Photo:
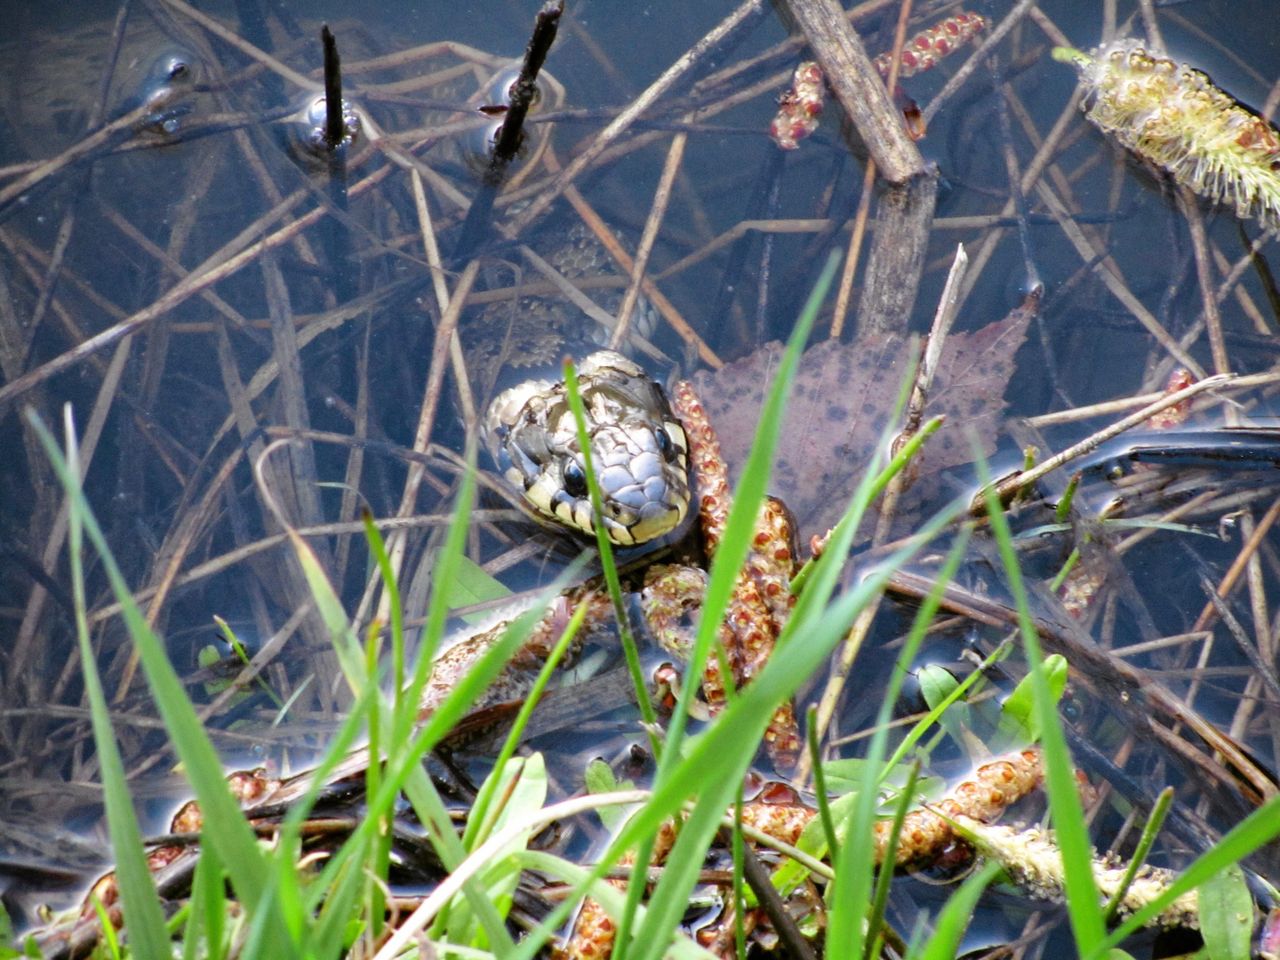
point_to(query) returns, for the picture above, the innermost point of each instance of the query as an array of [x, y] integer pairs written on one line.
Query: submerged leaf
[[843, 397], [1226, 915]]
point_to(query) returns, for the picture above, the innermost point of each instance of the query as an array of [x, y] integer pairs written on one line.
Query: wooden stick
[[857, 85]]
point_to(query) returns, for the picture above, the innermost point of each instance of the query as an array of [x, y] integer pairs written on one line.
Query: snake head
[[638, 449]]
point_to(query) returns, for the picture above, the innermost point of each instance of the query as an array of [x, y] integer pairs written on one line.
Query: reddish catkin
[[928, 47], [800, 107], [1172, 116]]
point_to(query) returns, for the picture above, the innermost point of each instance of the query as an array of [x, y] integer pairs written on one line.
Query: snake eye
[[575, 480], [665, 446]]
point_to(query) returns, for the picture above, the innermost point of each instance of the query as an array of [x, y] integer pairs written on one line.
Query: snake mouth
[[655, 523]]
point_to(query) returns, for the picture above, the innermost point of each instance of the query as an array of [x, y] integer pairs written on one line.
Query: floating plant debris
[[928, 47], [1173, 116]]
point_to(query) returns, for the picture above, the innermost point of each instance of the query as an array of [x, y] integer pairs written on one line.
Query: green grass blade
[[884, 876], [445, 574], [404, 769], [143, 915], [206, 923], [851, 891], [716, 761], [608, 565], [681, 948], [1254, 831], [473, 835], [225, 825], [747, 498], [1159, 810], [954, 917], [730, 555], [1060, 782], [395, 610]]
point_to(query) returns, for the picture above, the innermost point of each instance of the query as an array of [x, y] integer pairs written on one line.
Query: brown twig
[[741, 15], [1009, 486], [857, 85], [521, 96], [661, 197]]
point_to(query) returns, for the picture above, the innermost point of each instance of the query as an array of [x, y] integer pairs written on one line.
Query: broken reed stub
[[1172, 116]]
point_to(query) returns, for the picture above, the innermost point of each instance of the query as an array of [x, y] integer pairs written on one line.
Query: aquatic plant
[[1172, 116]]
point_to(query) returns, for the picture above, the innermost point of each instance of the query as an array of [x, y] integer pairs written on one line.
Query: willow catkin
[[1172, 116]]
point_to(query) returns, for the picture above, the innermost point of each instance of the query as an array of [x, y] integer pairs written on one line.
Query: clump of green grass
[[252, 899]]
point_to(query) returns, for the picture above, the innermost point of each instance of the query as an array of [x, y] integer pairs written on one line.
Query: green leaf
[[936, 685], [471, 586], [844, 776], [1019, 723], [1226, 915], [524, 791], [599, 778]]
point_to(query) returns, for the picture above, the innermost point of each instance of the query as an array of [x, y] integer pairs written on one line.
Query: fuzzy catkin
[[1173, 116], [1032, 860]]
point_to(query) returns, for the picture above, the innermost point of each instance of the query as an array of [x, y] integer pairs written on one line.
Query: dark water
[[96, 242]]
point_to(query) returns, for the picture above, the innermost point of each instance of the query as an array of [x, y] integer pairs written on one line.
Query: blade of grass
[[143, 915], [1159, 810], [747, 497], [821, 797], [681, 948], [716, 760], [1254, 831], [730, 555], [479, 824], [954, 917], [422, 794], [480, 808], [206, 922], [446, 573], [631, 654], [225, 825], [608, 566], [404, 768], [850, 894], [884, 876], [1060, 782], [915, 638]]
